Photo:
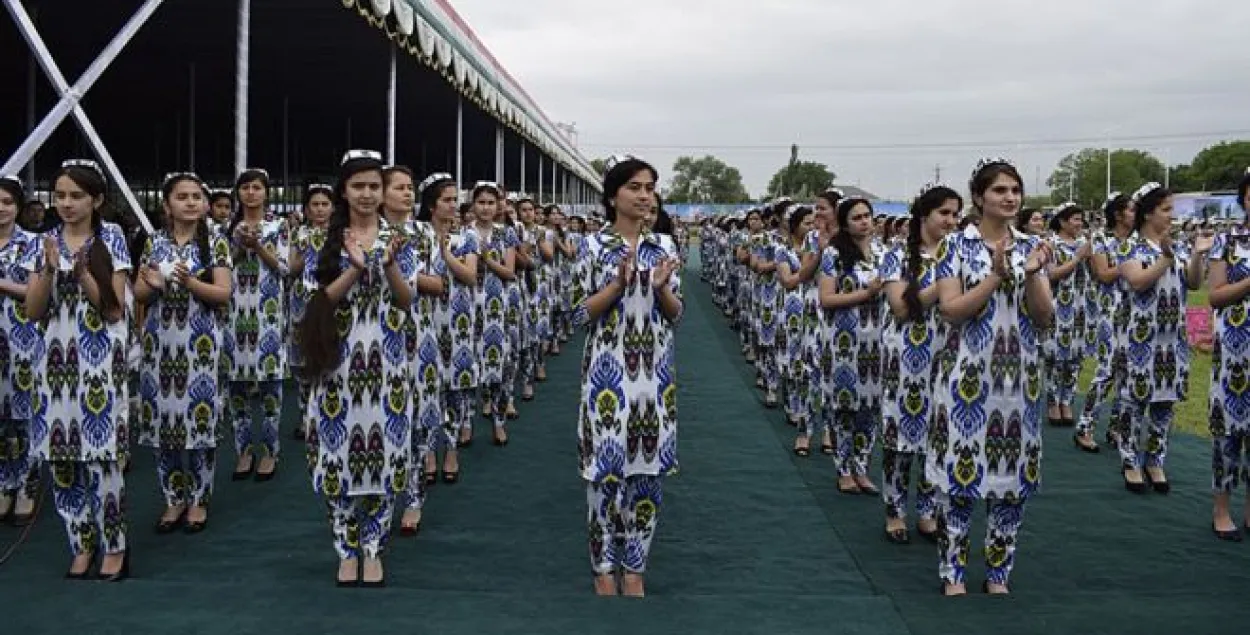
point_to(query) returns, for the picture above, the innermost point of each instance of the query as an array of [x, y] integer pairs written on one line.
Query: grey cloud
[[700, 73]]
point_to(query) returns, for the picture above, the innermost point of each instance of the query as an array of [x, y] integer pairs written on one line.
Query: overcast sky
[[744, 79]]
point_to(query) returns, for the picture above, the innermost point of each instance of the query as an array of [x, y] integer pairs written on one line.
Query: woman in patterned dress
[[354, 349], [537, 295], [766, 303], [986, 438], [77, 282], [258, 361], [1064, 344], [1104, 390], [1156, 351], [820, 413], [627, 426], [20, 340], [306, 241], [184, 279], [1230, 367], [497, 270], [795, 381], [454, 317], [850, 290], [913, 343]]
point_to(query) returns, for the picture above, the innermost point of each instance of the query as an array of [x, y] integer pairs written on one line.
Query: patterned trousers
[[1103, 391], [192, 485], [459, 407], [1153, 417], [531, 360], [1002, 526], [766, 362], [305, 394], [1228, 460], [634, 504], [361, 524], [270, 396], [416, 467], [856, 432], [896, 478], [19, 469], [1062, 380], [90, 497], [796, 388]]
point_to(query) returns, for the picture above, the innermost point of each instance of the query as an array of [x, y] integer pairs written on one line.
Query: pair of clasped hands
[[661, 273], [52, 257], [356, 249]]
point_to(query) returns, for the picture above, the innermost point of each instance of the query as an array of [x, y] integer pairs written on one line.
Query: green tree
[[1181, 178], [600, 166], [1082, 176], [1218, 167], [706, 180], [800, 179]]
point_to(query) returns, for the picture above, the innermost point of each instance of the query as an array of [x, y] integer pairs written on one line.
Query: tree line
[[1080, 176]]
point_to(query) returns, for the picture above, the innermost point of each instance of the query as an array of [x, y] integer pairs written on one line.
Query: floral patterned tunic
[[428, 375], [181, 350], [986, 440], [1230, 359], [911, 351], [455, 317], [81, 382], [766, 292], [1156, 349], [258, 309], [494, 346], [21, 340], [1066, 340], [793, 315], [359, 413], [851, 361], [628, 411]]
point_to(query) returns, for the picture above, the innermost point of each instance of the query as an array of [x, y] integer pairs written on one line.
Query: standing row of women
[[943, 341], [397, 325]]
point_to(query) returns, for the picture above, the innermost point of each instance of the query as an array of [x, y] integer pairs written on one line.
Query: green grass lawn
[[1191, 414]]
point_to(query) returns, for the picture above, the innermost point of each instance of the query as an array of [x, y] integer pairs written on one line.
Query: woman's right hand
[[153, 277], [51, 254]]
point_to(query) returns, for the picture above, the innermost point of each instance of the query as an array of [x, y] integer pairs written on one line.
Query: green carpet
[[751, 540]]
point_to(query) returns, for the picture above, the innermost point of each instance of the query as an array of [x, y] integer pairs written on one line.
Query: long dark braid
[[929, 201], [319, 332]]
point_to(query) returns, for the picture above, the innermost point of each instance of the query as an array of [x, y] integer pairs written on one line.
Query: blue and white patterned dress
[[986, 440], [911, 351], [257, 341], [23, 340], [627, 424]]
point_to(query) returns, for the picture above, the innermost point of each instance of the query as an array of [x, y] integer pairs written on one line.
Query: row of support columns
[[573, 192]]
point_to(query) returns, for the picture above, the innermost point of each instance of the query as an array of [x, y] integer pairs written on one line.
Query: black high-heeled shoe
[[1136, 488], [82, 575], [1092, 449], [451, 478], [1161, 487], [121, 574], [170, 526], [1231, 535]]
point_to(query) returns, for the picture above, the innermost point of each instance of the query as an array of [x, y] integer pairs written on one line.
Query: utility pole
[[937, 173]]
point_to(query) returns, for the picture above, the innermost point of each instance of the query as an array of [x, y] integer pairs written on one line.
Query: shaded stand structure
[[216, 86]]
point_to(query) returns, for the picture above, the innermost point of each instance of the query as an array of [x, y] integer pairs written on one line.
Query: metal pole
[[191, 135], [286, 144], [522, 164], [69, 96], [391, 98], [242, 70], [1108, 192], [499, 176], [540, 177], [459, 144], [30, 120]]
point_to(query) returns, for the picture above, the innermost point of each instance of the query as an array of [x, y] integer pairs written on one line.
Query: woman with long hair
[[21, 340], [257, 350], [184, 280], [850, 290], [795, 382], [306, 243], [913, 342], [627, 430], [77, 283], [1156, 350], [1229, 406], [825, 227], [1064, 345], [359, 434], [986, 441], [1104, 389], [537, 294]]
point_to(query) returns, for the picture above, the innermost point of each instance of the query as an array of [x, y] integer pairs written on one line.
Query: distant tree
[[705, 180], [600, 166], [800, 179], [1129, 169], [1217, 167]]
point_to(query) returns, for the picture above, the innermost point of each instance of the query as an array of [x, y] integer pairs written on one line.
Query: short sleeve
[[947, 258], [115, 240], [407, 259], [1219, 248], [278, 242], [891, 269], [33, 255], [829, 262], [469, 243]]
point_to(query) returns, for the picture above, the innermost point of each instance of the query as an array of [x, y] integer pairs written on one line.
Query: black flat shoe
[[121, 574], [804, 452], [431, 478], [195, 527], [1136, 488], [450, 478], [243, 475], [826, 449], [170, 526], [1092, 449], [262, 477], [1161, 487], [985, 588], [928, 536], [377, 584], [82, 575], [1232, 535]]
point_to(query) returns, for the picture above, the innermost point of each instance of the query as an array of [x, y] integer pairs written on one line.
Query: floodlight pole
[[499, 167], [391, 99], [242, 71], [522, 164], [540, 177], [459, 143]]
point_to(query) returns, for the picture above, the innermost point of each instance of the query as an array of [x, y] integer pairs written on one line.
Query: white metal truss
[[71, 96]]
